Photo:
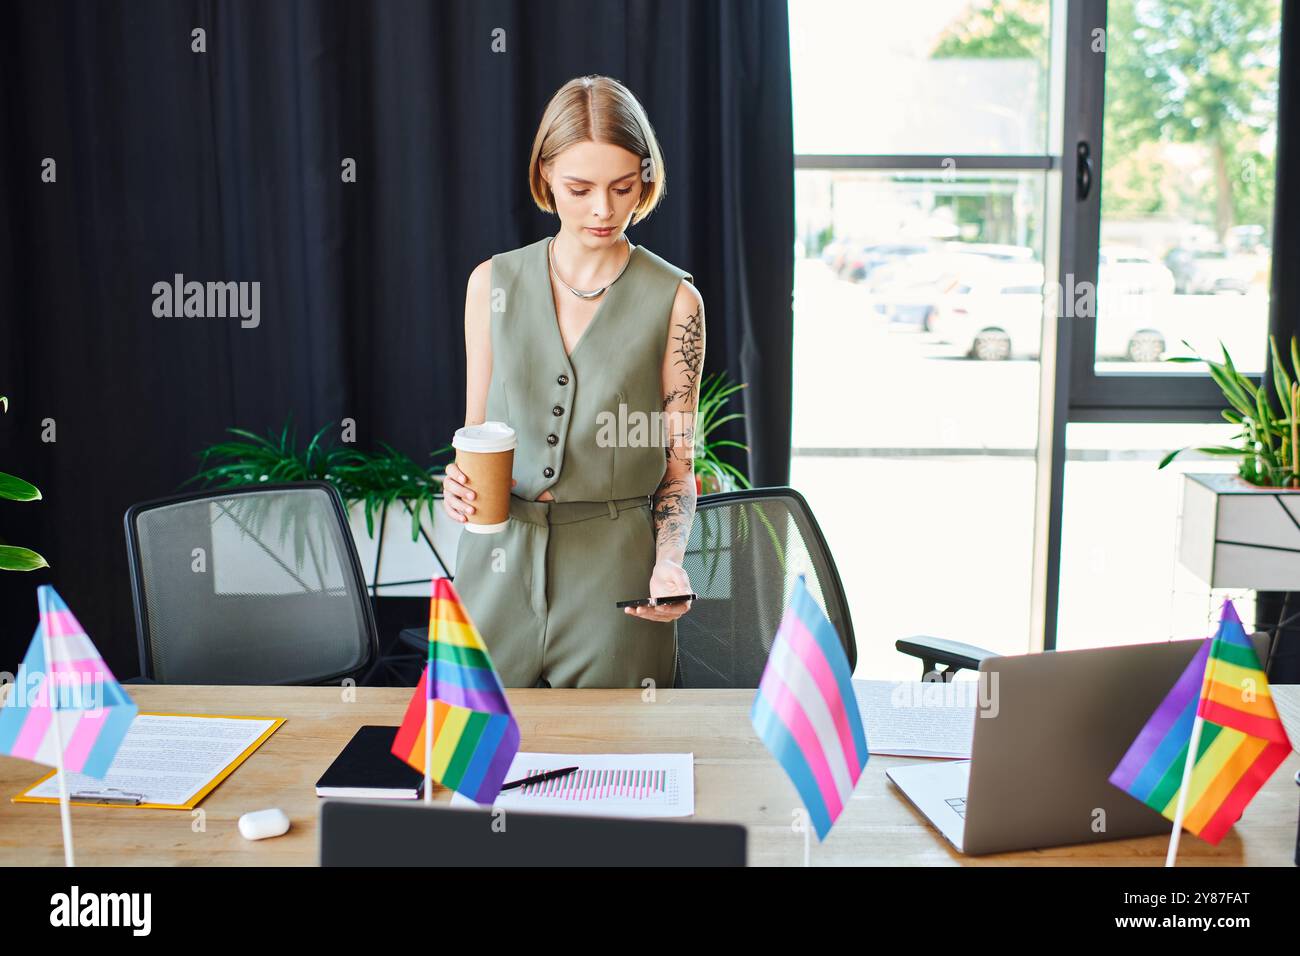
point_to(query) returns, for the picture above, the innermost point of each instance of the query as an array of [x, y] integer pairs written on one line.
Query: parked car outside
[[1000, 317]]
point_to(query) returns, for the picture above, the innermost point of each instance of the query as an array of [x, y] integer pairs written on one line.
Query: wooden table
[[735, 780]]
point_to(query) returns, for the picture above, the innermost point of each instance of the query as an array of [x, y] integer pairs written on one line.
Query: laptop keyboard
[[958, 805]]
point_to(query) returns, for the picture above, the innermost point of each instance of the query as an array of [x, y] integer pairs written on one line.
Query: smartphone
[[651, 602]]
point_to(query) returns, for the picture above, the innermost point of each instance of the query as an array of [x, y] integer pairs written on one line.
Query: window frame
[[1070, 389]]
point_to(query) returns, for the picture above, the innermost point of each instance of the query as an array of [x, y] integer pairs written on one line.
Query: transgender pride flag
[[806, 713], [63, 678]]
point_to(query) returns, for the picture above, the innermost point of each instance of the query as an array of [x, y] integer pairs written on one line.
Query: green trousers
[[542, 594]]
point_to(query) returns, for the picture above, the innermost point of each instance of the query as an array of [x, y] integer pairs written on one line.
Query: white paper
[[918, 718], [166, 759], [605, 785]]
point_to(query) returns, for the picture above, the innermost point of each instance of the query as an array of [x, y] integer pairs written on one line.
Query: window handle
[[1083, 172]]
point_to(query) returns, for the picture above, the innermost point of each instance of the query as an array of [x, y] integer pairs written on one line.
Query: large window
[[1180, 102], [1121, 581], [996, 201], [922, 223], [1189, 136], [879, 77]]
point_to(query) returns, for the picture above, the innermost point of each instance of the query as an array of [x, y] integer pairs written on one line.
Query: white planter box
[[405, 566], [1236, 535]]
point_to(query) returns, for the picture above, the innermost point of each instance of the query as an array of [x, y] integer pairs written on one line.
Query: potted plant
[[408, 539], [401, 535], [1243, 530], [401, 539], [12, 557], [712, 474]]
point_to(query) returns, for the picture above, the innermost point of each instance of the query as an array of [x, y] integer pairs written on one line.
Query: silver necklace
[[594, 293]]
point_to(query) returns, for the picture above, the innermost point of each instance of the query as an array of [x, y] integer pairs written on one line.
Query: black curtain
[[225, 165], [1273, 607]]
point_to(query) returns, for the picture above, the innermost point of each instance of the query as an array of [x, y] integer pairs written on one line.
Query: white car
[[995, 316], [1001, 317], [909, 292], [1217, 273], [1128, 270]]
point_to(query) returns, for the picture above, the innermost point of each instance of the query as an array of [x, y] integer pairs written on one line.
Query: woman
[[591, 349]]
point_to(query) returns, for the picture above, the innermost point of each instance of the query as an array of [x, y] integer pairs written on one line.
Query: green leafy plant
[[12, 557], [389, 476], [375, 479], [1269, 440], [711, 472]]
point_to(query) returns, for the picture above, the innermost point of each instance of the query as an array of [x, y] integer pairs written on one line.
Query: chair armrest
[[936, 651]]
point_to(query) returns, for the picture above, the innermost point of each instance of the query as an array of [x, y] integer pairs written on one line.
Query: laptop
[[1056, 726], [382, 833]]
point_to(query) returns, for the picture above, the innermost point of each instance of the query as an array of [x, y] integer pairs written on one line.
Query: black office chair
[[725, 639], [745, 550], [940, 657], [251, 586]]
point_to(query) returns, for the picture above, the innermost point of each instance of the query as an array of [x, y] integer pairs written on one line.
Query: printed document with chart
[[604, 785]]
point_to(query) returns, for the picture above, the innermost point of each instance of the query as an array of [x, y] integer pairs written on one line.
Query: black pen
[[538, 778]]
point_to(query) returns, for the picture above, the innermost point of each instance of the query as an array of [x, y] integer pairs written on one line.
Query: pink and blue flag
[[806, 713], [63, 678]]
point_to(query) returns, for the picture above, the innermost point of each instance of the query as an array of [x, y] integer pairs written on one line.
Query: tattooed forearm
[[674, 507], [682, 397], [680, 445], [674, 499], [689, 355]]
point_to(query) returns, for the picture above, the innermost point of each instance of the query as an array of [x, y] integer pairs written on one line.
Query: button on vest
[[580, 445]]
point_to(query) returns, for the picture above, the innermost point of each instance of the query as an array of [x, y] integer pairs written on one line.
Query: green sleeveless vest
[[585, 422]]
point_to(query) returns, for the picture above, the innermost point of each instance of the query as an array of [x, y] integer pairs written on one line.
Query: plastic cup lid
[[487, 437]]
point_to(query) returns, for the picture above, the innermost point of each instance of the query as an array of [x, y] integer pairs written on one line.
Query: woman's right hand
[[457, 496]]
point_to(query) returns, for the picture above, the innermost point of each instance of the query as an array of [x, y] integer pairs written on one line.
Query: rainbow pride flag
[[1242, 738], [63, 678], [475, 736], [806, 713]]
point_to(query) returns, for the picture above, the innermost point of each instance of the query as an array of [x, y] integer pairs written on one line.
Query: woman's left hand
[[669, 578]]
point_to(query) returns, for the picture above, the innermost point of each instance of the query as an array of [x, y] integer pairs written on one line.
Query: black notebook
[[367, 768]]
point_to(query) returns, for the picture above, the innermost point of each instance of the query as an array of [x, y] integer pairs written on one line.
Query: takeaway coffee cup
[[486, 453]]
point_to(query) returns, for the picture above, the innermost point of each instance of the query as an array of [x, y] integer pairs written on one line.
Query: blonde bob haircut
[[600, 110]]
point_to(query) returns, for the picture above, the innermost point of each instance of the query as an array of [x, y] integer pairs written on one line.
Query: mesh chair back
[[248, 587], [745, 552]]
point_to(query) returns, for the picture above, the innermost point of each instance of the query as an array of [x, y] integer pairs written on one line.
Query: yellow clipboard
[[194, 800]]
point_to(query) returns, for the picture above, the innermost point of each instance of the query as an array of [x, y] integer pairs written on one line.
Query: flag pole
[[428, 709], [428, 750], [428, 728], [807, 845], [65, 815], [1193, 746]]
